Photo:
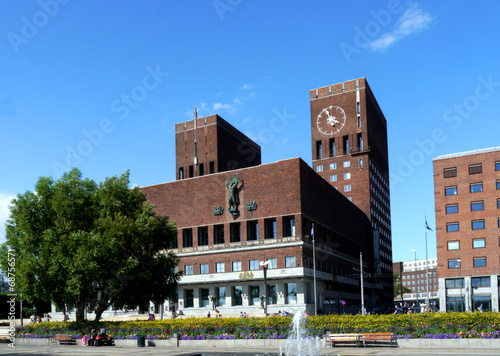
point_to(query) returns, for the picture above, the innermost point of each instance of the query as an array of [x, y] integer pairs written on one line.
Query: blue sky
[[100, 85]]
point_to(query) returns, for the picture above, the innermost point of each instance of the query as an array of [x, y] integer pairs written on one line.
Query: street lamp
[[459, 261], [416, 275], [264, 265]]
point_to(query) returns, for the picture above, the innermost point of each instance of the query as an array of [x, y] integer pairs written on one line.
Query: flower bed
[[425, 326]]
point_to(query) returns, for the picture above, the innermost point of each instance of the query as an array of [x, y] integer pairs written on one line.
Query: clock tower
[[349, 150]]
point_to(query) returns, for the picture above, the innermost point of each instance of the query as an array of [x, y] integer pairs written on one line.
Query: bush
[[432, 325]]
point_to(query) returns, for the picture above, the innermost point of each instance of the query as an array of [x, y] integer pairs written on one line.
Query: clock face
[[331, 120]]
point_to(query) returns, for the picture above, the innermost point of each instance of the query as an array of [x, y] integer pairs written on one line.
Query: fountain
[[299, 343]]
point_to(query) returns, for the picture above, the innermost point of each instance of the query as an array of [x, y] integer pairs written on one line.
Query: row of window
[[412, 283], [473, 169], [476, 243], [474, 206], [453, 283], [270, 231], [237, 295], [345, 145], [475, 225], [333, 178], [236, 266], [420, 275], [201, 170], [347, 164], [473, 188], [476, 262]]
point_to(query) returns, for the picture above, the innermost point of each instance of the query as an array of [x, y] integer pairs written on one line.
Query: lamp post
[[264, 265], [461, 285], [416, 275]]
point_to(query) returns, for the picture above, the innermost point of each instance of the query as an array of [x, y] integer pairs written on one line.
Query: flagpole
[[314, 267], [427, 262]]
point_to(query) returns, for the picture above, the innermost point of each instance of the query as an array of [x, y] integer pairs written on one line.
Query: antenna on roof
[[195, 114]]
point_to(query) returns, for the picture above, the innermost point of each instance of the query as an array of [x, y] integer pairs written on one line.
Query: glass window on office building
[[272, 263], [452, 209], [220, 295], [254, 295], [237, 295], [455, 263], [204, 268], [450, 190], [236, 266], [478, 243], [188, 270], [479, 262], [220, 267], [189, 296], [476, 187], [204, 293], [253, 265], [272, 293], [290, 262], [453, 245], [291, 293]]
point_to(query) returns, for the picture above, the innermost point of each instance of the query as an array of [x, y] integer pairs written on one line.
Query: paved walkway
[[347, 351]]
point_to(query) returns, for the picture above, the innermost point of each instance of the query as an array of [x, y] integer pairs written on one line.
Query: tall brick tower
[[210, 145], [349, 148]]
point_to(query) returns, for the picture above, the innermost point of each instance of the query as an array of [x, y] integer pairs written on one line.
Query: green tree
[[399, 288], [82, 244]]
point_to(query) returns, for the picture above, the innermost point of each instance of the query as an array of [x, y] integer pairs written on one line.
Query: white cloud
[[4, 213], [220, 106], [412, 21], [248, 86]]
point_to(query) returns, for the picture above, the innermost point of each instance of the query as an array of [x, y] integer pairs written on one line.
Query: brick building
[[233, 213], [467, 199], [350, 150], [414, 276]]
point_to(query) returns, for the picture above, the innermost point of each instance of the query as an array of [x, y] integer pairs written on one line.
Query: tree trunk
[[101, 307], [80, 312]]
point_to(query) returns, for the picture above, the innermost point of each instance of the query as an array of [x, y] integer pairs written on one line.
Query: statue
[[234, 199]]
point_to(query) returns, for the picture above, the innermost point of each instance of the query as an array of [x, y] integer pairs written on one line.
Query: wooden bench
[[332, 339], [63, 339], [367, 338]]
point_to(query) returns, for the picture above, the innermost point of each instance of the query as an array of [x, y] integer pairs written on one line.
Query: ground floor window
[[189, 302], [272, 293], [221, 295], [205, 302], [254, 295], [237, 295], [455, 304], [291, 293], [481, 300]]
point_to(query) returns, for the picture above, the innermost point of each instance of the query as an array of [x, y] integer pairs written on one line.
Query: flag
[[426, 225], [312, 231]]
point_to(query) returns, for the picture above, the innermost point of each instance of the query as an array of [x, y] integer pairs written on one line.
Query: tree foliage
[[82, 244], [399, 288]]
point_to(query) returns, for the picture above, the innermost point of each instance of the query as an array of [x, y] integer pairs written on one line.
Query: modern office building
[[414, 276], [350, 151], [467, 199]]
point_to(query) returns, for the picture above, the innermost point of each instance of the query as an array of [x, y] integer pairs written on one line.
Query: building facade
[[414, 276], [467, 199], [280, 235], [350, 151]]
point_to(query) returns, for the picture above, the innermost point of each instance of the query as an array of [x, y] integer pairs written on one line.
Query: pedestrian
[[208, 314], [245, 315], [480, 308], [84, 340], [241, 314]]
